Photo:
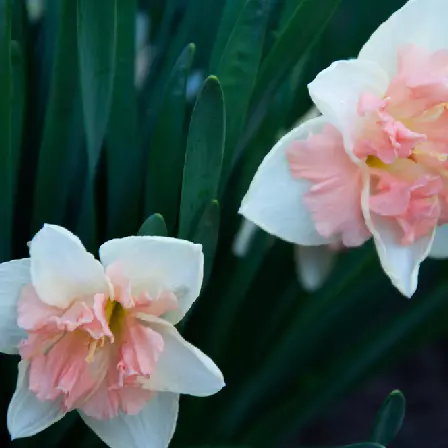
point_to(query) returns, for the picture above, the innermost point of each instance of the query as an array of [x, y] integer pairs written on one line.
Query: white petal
[[274, 201], [61, 269], [26, 414], [313, 265], [152, 263], [439, 248], [243, 238], [418, 22], [13, 276], [152, 427], [336, 91], [401, 263], [181, 367]]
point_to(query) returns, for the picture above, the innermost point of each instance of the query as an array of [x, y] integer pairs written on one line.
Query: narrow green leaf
[[389, 419], [349, 367], [299, 34], [164, 174], [229, 16], [238, 69], [206, 233], [6, 159], [52, 189], [122, 142], [97, 23], [364, 445], [19, 34], [18, 105], [153, 226], [203, 156]]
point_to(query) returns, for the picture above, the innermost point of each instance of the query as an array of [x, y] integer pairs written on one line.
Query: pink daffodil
[[376, 163], [99, 337]]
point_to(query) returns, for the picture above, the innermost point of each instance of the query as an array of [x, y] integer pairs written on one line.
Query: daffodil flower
[[99, 337], [376, 163]]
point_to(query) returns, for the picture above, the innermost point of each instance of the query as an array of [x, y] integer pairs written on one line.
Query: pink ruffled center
[[93, 355], [403, 139]]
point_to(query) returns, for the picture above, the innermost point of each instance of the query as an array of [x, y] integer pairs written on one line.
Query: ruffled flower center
[[402, 138], [96, 354]]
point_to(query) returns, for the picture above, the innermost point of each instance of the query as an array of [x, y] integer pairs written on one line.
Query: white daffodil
[[99, 337], [375, 164]]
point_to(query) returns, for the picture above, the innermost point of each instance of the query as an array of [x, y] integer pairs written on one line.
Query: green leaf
[[52, 189], [97, 23], [364, 445], [122, 142], [238, 69], [164, 174], [355, 445], [350, 366], [6, 159], [203, 157], [19, 34], [299, 34], [389, 419], [18, 105], [153, 226], [229, 17], [207, 233]]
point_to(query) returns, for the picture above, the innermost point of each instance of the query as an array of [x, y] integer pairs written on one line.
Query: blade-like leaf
[[238, 69], [364, 445], [97, 23], [389, 419], [356, 361], [203, 156], [122, 142], [299, 34], [164, 173], [6, 159], [19, 34], [18, 105], [153, 226], [206, 233], [229, 16], [52, 189]]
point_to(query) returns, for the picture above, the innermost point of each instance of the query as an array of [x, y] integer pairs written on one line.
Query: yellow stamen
[[92, 348], [435, 155]]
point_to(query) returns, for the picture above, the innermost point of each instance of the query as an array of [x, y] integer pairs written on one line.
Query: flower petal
[[181, 367], [154, 264], [26, 414], [61, 269], [337, 89], [419, 22], [274, 201], [243, 238], [400, 262], [14, 275], [313, 265], [439, 248], [152, 427]]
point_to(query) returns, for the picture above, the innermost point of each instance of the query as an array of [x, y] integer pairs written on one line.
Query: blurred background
[[303, 368]]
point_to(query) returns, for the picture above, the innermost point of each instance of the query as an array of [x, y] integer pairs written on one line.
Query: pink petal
[[335, 197]]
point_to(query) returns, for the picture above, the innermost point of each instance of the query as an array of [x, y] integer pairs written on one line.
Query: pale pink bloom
[[376, 162], [99, 337]]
